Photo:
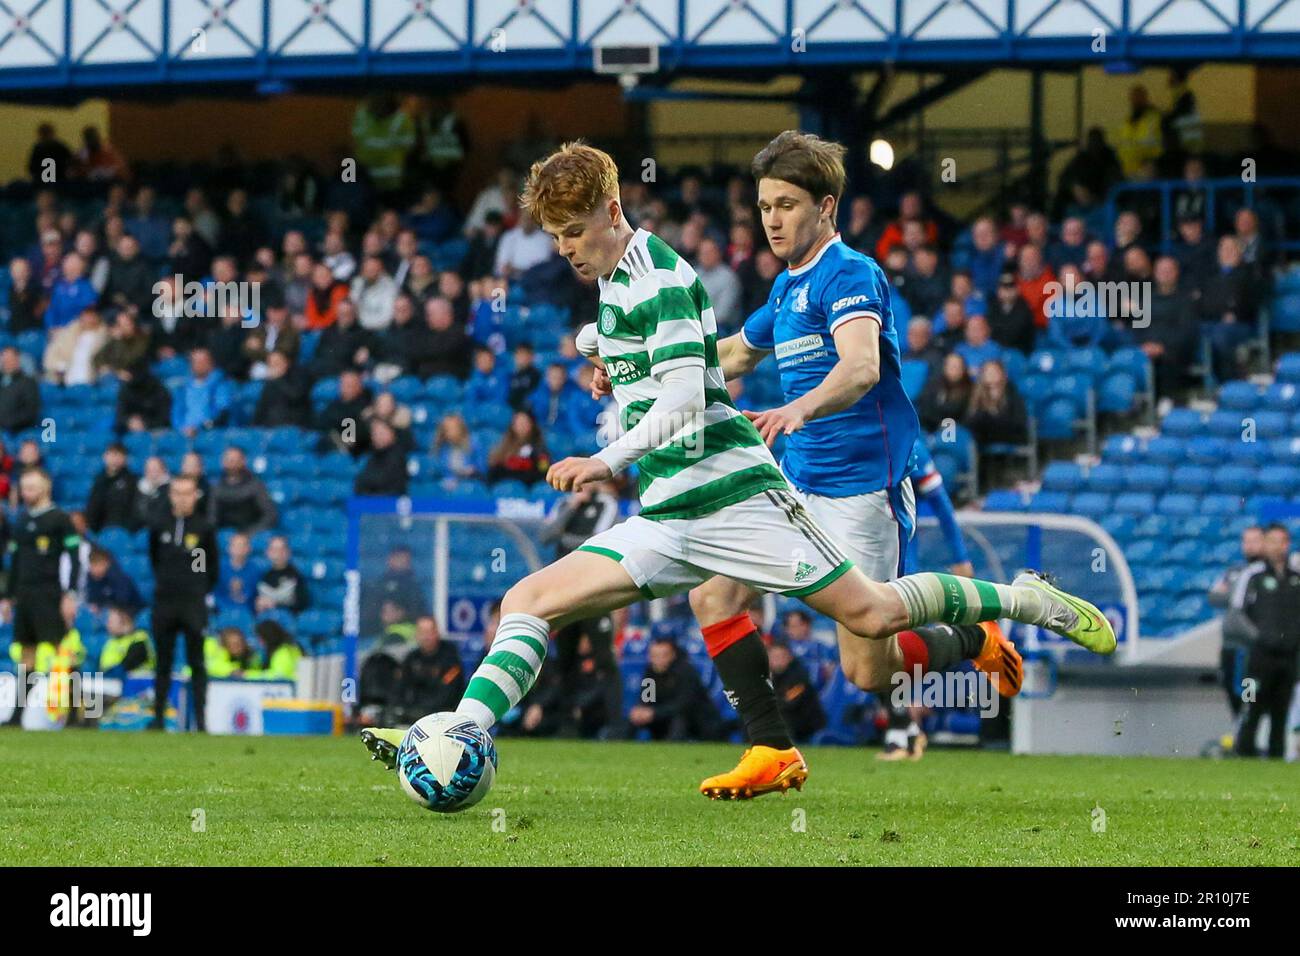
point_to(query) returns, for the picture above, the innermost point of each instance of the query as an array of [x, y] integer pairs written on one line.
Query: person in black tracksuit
[[1268, 594], [38, 539], [186, 566], [1236, 628]]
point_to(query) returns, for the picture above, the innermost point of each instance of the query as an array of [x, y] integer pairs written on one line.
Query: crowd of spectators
[[364, 285]]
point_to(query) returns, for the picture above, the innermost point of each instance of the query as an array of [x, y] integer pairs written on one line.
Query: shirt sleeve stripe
[[750, 345], [856, 315]]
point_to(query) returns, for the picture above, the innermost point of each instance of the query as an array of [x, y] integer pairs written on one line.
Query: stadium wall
[[20, 122]]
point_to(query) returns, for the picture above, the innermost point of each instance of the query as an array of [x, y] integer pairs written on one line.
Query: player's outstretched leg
[[579, 585], [878, 611]]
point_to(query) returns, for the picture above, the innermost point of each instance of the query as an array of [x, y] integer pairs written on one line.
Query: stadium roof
[[84, 47]]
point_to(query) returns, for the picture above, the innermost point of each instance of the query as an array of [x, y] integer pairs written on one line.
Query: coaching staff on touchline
[[1268, 595], [186, 562]]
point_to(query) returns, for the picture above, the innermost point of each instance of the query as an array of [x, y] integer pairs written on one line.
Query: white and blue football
[[446, 762]]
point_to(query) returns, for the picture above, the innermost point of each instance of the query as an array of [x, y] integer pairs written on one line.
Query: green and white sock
[[509, 670], [952, 599]]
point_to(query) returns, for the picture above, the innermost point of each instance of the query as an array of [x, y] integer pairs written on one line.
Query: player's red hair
[[569, 183]]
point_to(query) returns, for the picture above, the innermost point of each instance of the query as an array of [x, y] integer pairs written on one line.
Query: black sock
[[949, 643], [748, 681]]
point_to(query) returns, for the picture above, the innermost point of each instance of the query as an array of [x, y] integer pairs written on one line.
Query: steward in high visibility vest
[[129, 648], [282, 653], [1140, 139], [383, 135], [230, 655]]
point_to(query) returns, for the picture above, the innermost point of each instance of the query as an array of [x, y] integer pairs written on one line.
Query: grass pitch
[[85, 798]]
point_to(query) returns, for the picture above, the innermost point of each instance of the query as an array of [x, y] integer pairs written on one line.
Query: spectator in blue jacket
[[555, 403], [72, 293], [984, 259], [237, 586], [152, 230], [1074, 320], [107, 585], [977, 346], [460, 454], [488, 384], [203, 400]]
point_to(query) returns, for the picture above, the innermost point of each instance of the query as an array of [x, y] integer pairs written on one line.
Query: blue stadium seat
[[324, 392], [1048, 361], [1122, 449], [1229, 424], [1034, 388], [1091, 504], [1285, 313], [1269, 424], [1134, 502], [1234, 480], [1251, 454], [1117, 392], [443, 389], [1004, 499], [1281, 480], [1288, 368], [1119, 527], [1142, 550], [1088, 361], [1131, 360], [1240, 397], [1050, 502], [1217, 504], [1056, 418], [1177, 503], [1282, 397], [406, 389], [1150, 478], [1191, 479], [288, 440], [1152, 526], [1104, 477], [1206, 451], [1196, 526], [1183, 423], [1062, 476], [1015, 364]]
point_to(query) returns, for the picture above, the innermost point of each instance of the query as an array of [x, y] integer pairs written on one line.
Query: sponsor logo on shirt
[[623, 371], [796, 346], [848, 302]]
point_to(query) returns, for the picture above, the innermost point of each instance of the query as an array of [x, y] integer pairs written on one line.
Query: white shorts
[[769, 542], [872, 529]]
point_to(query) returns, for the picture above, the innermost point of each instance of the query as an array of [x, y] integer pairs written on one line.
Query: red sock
[[718, 637], [914, 652]]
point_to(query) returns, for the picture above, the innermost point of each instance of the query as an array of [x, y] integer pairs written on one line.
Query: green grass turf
[[95, 798]]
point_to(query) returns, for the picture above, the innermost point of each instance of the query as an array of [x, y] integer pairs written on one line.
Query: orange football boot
[[999, 658], [761, 770]]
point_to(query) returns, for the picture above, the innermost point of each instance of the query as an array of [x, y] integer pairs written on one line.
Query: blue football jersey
[[867, 446]]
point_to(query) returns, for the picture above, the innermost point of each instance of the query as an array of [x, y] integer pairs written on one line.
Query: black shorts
[[37, 619]]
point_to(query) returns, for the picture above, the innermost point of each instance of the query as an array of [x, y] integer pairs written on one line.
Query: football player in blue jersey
[[851, 432]]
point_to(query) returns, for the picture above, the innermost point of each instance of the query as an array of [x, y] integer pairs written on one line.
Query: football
[[446, 762]]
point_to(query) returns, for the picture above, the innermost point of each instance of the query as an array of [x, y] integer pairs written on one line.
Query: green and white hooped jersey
[[654, 317]]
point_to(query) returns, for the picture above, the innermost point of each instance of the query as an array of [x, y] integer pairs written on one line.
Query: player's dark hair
[[810, 162], [1277, 526]]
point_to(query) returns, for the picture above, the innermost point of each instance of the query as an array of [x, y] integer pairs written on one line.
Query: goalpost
[[467, 552]]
